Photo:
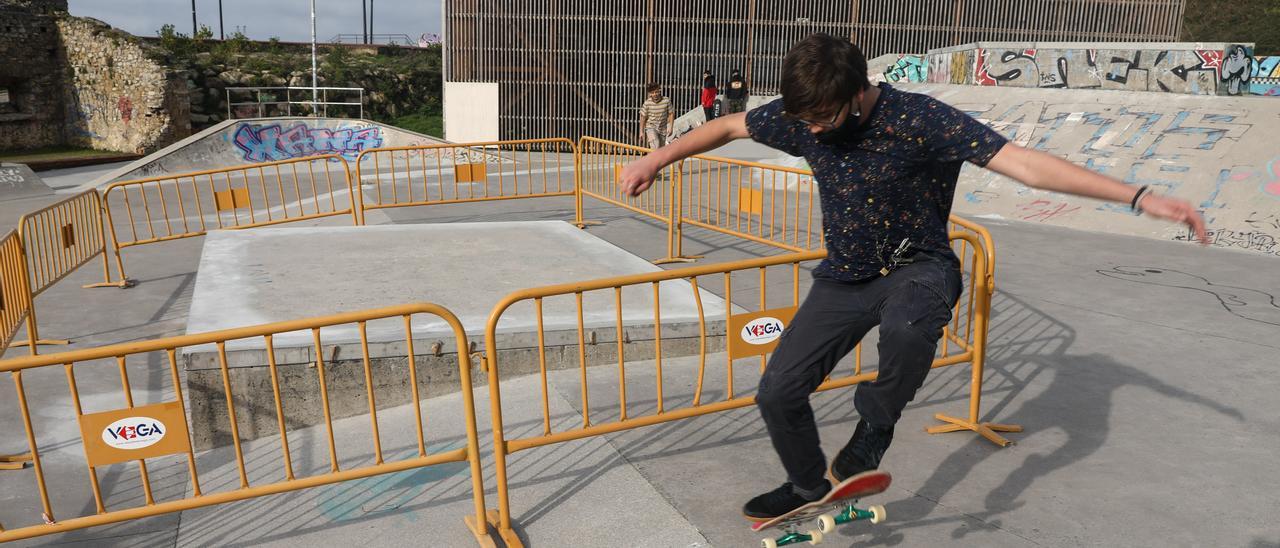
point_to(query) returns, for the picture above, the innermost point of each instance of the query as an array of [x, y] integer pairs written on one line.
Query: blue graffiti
[[272, 143]]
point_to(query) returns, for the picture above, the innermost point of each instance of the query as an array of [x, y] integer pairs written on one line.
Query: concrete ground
[[1138, 368]]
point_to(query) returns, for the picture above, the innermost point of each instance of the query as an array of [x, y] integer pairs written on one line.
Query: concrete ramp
[[254, 140], [17, 181], [1217, 152]]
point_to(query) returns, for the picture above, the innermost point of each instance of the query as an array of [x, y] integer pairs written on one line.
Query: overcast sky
[[261, 19]]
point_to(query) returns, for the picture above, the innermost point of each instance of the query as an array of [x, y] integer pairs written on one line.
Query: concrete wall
[[76, 81], [471, 111], [31, 75], [1183, 68]]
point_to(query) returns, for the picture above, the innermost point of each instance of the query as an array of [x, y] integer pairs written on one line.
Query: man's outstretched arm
[[639, 175], [1048, 172]]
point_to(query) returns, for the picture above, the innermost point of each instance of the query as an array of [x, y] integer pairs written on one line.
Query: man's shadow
[[1077, 403]]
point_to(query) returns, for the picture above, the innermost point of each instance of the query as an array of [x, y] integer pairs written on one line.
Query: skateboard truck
[[826, 523]]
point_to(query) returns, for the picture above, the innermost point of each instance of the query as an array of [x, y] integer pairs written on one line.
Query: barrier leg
[[14, 462]]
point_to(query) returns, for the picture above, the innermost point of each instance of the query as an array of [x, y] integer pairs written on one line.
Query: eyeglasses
[[824, 125]]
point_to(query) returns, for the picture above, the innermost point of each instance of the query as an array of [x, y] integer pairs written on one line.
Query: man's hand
[[1178, 211], [638, 176]]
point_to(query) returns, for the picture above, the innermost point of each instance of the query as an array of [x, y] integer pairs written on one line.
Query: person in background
[[657, 118], [737, 93], [709, 93]]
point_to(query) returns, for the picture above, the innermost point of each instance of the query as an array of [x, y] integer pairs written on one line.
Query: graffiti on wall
[[908, 68], [1264, 76], [1195, 72], [1199, 72], [950, 68], [269, 143]]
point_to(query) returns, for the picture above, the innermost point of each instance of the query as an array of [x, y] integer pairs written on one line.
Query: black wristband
[[1137, 197]]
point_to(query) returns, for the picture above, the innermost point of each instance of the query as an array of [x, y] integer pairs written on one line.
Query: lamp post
[[221, 35], [193, 19], [314, 94]]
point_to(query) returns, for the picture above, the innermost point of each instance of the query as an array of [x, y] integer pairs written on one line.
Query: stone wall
[[120, 95], [30, 75], [76, 81], [1184, 68]]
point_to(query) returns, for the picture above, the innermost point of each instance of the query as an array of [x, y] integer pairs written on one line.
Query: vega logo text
[[133, 433], [762, 330]]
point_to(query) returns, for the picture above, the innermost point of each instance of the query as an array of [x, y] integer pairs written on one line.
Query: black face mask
[[846, 131]]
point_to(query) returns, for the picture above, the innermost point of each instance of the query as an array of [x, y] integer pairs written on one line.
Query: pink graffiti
[[125, 106], [1044, 210], [1273, 187], [273, 143]]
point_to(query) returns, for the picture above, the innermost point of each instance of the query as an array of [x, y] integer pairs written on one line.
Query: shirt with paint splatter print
[[891, 179]]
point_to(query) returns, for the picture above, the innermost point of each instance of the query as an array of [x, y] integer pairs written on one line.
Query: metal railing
[[56, 240], [467, 172], [157, 209], [313, 98], [172, 415]]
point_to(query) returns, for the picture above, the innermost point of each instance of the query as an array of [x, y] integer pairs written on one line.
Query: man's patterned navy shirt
[[890, 179]]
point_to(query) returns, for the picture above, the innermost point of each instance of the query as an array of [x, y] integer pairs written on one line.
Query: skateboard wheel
[[878, 514], [826, 523], [815, 537], [769, 543]]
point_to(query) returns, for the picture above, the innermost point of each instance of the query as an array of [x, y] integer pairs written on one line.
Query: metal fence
[[280, 101], [579, 68], [162, 428]]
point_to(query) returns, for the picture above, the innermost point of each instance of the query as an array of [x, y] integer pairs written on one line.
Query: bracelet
[[1137, 198]]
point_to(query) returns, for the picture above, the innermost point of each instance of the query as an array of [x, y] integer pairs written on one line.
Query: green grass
[[426, 124], [51, 153]]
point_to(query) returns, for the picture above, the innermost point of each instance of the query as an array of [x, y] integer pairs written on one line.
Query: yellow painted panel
[[132, 434], [757, 333]]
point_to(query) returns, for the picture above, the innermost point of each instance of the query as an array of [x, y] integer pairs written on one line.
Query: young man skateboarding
[[887, 162]]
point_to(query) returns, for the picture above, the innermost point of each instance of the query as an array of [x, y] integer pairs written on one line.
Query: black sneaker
[[778, 501], [862, 453]]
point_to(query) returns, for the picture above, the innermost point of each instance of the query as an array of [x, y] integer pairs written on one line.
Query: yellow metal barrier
[[157, 430], [15, 308], [971, 350], [767, 204], [465, 172], [58, 239], [599, 165], [187, 205]]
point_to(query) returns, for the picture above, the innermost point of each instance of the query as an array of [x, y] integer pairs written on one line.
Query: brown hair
[[652, 87], [821, 72]]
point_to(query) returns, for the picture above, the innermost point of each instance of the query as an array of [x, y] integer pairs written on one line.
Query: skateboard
[[835, 508]]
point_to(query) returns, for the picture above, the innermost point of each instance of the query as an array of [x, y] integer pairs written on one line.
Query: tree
[[1255, 21]]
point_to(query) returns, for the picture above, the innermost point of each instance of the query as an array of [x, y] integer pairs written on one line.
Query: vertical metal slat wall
[[567, 68]]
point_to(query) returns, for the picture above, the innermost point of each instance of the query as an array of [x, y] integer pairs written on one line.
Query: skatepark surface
[[1141, 368]]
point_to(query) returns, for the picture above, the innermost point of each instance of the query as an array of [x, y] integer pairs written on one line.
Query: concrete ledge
[[252, 391]]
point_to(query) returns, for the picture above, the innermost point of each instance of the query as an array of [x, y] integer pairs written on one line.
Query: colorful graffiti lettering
[[1264, 76], [908, 68], [273, 143], [1196, 72]]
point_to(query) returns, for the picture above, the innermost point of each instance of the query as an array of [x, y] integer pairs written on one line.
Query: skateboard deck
[[835, 508]]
